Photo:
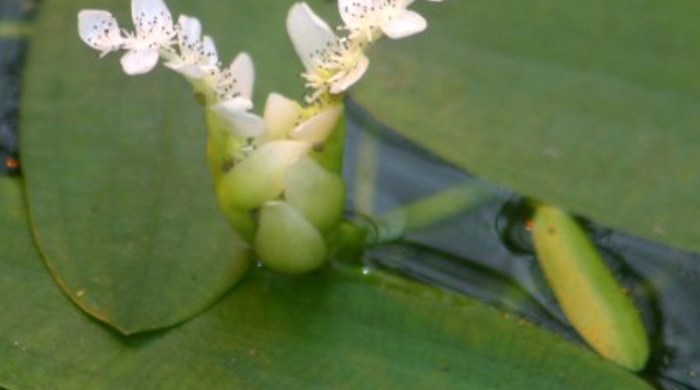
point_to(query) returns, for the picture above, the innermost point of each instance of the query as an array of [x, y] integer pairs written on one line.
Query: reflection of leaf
[[588, 105], [331, 329]]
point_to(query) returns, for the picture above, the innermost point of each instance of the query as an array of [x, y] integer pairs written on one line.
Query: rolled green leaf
[[318, 194], [286, 241], [593, 301]]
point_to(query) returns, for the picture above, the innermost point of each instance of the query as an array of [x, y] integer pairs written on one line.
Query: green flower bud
[[260, 176], [318, 194], [286, 241]]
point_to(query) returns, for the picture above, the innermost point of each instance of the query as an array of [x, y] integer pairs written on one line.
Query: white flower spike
[[277, 177], [332, 64]]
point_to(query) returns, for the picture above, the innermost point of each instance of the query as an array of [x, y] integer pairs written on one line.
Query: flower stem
[[433, 209]]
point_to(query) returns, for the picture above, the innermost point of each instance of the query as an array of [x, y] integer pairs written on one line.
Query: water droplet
[[513, 224]]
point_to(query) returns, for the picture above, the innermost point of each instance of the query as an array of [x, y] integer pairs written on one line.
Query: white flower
[[154, 33], [234, 89], [332, 64], [370, 19], [197, 56]]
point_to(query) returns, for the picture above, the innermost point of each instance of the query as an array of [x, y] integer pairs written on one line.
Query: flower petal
[[152, 19], [190, 32], [317, 128], [237, 80], [139, 61], [309, 34], [281, 115], [99, 30], [351, 77], [352, 12], [243, 73], [209, 49], [190, 71], [241, 122], [407, 24]]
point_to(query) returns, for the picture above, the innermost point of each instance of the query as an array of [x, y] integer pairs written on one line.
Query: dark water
[[485, 252], [12, 55]]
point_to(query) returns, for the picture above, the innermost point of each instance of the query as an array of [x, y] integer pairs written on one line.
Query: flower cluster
[[277, 176], [182, 48]]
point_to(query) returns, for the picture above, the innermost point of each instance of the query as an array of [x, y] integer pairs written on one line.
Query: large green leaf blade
[[588, 105], [336, 328], [118, 186]]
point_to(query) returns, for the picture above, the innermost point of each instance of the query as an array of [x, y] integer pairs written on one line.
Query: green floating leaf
[[331, 329], [585, 288], [592, 106], [122, 203]]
